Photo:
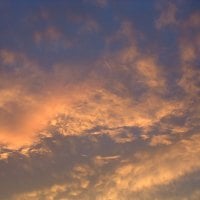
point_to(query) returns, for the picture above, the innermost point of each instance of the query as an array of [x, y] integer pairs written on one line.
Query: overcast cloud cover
[[100, 100]]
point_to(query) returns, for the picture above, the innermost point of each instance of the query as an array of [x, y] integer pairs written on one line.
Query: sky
[[99, 100]]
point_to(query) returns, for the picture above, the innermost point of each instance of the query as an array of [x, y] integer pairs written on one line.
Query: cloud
[[104, 172], [189, 43], [30, 97], [160, 139], [52, 37], [138, 176], [53, 96], [167, 16], [93, 107]]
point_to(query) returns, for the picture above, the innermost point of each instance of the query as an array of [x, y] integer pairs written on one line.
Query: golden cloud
[[162, 167]]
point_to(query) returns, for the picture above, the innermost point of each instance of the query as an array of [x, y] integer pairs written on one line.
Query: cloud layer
[[99, 102]]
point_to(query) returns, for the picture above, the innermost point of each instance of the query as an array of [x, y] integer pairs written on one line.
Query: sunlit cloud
[[100, 100]]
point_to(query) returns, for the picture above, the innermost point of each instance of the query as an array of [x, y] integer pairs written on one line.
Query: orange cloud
[[142, 171], [171, 163], [39, 97], [160, 139], [33, 99]]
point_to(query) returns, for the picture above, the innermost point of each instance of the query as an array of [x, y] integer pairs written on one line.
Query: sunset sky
[[99, 100]]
